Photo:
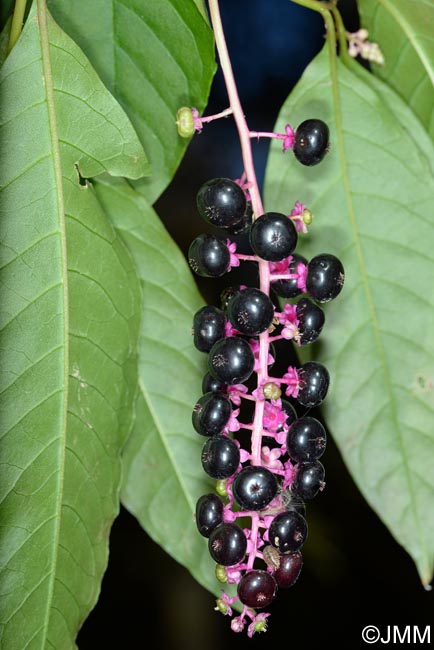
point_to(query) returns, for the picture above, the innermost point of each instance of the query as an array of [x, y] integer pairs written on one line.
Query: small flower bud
[[237, 624]]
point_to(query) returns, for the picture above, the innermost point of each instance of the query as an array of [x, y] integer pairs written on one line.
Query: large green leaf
[[69, 325], [163, 475], [405, 31], [154, 56], [373, 198]]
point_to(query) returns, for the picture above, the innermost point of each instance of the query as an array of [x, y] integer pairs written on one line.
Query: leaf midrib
[[367, 289], [42, 19]]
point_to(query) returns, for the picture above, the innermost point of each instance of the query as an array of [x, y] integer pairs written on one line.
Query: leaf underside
[[163, 475], [373, 199], [404, 30], [154, 57], [69, 324]]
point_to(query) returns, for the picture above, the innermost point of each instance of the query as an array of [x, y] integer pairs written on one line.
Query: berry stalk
[[256, 200]]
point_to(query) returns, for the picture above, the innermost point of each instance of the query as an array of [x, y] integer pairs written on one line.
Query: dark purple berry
[[273, 236], [254, 487], [311, 142], [211, 414], [311, 320], [289, 288], [231, 360], [208, 327], [250, 311], [309, 480], [220, 457], [257, 589], [221, 202], [209, 513], [227, 544], [226, 295], [325, 277], [314, 382], [289, 569], [212, 385], [288, 531], [209, 256], [244, 223], [306, 440]]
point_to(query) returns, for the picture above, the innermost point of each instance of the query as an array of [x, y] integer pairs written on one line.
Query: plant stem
[[17, 23], [258, 210], [217, 116], [267, 134]]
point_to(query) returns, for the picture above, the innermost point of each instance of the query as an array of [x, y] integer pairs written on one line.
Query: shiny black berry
[[311, 320], [314, 382], [306, 440], [273, 236], [257, 589], [309, 480], [325, 277], [289, 288], [231, 360], [209, 256], [289, 569], [254, 487], [288, 531], [250, 311], [227, 544], [212, 385], [211, 414], [244, 223], [221, 202], [220, 457], [311, 142], [208, 327], [209, 513], [226, 295]]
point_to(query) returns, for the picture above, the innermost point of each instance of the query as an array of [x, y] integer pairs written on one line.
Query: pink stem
[[266, 134], [284, 276], [258, 210], [248, 258], [217, 116]]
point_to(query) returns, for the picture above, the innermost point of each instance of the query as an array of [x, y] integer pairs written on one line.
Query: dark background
[[355, 574]]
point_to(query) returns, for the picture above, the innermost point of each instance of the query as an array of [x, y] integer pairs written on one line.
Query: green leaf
[[372, 198], [404, 30], [154, 57], [69, 325], [163, 475]]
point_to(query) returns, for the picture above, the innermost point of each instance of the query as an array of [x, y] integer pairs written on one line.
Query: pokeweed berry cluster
[[269, 478]]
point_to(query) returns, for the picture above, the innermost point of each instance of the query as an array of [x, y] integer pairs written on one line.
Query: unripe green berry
[[220, 573], [220, 488], [271, 390], [221, 606], [184, 122], [307, 217]]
